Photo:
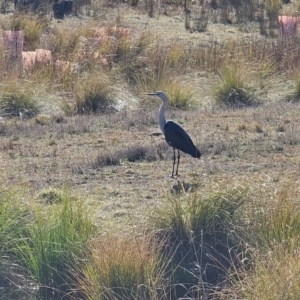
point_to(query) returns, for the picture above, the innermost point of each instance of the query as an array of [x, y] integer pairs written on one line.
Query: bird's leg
[[174, 160], [178, 158]]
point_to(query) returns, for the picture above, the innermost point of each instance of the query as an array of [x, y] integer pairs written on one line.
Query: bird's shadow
[[183, 187]]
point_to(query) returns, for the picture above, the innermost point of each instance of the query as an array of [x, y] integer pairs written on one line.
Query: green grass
[[16, 100], [232, 91], [200, 239], [32, 25], [55, 244], [279, 223], [12, 216], [295, 96], [93, 95]]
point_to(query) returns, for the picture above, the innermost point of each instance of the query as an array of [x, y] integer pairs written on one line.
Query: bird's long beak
[[151, 94]]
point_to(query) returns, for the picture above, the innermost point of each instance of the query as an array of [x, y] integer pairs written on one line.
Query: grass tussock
[[233, 91], [55, 244], [274, 277], [93, 95], [279, 222], [199, 244], [295, 96], [124, 267], [16, 100], [12, 216], [200, 239], [32, 25]]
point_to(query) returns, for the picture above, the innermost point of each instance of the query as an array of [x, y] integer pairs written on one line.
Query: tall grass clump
[[179, 95], [272, 233], [232, 91], [277, 223], [295, 96], [17, 100], [93, 95], [14, 216], [131, 55], [163, 65], [200, 239], [33, 26], [274, 276], [55, 245], [124, 267]]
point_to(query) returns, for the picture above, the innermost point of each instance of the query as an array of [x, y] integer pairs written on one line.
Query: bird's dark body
[[177, 137]]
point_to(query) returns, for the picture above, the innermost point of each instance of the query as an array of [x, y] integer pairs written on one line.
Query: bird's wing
[[177, 137]]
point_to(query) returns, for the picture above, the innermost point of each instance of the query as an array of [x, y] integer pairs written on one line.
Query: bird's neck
[[161, 116]]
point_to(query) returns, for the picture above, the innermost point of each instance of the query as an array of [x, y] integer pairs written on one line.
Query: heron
[[174, 134]]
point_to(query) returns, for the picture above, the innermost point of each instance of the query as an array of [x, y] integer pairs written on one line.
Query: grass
[[93, 95], [295, 96], [125, 268], [233, 91], [17, 101], [275, 277], [51, 252], [133, 153], [32, 25], [200, 239], [226, 229]]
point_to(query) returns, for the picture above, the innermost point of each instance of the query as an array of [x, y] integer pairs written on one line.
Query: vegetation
[[17, 101], [232, 91], [86, 208]]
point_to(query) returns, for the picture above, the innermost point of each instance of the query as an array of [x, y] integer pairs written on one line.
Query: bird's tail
[[196, 153]]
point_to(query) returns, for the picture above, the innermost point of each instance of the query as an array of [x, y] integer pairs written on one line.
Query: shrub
[[138, 153], [107, 159]]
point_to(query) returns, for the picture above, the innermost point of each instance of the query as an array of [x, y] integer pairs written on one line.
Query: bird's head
[[161, 95]]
